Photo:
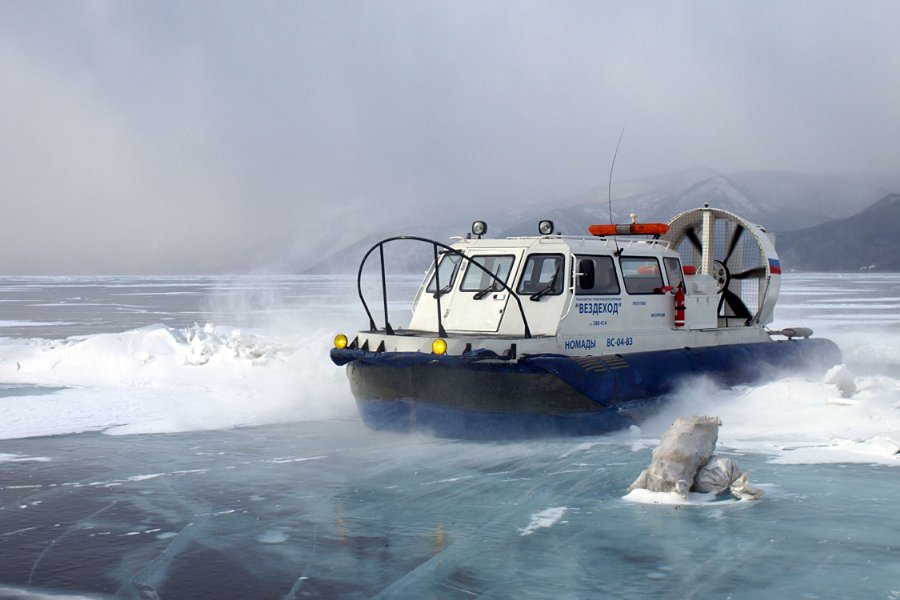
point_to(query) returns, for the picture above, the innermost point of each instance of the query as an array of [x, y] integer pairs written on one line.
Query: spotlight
[[479, 228], [545, 227]]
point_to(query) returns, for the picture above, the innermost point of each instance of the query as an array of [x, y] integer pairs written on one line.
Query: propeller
[[738, 260], [730, 299], [755, 267], [695, 241]]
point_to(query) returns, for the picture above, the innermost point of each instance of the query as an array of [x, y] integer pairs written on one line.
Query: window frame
[[560, 275], [579, 291], [659, 282], [679, 270]]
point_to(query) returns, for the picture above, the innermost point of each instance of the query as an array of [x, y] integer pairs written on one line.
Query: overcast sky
[[193, 137]]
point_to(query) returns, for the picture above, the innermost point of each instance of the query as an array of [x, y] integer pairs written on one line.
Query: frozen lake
[[188, 437]]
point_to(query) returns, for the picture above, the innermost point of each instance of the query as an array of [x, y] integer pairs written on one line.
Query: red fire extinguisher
[[679, 306]]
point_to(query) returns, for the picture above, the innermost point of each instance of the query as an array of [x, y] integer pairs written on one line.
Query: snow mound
[[160, 380]]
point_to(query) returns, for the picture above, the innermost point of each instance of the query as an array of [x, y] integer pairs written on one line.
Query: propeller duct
[[739, 255]]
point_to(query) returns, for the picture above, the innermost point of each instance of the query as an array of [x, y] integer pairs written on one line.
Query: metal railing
[[437, 280]]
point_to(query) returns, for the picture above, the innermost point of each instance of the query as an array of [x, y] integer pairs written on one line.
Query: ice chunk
[[684, 448], [684, 462], [544, 518], [742, 490], [22, 458], [275, 536]]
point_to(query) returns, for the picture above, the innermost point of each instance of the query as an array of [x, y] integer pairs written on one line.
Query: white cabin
[[597, 295]]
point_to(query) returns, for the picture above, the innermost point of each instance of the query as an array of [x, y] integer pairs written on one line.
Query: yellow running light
[[439, 346], [340, 341]]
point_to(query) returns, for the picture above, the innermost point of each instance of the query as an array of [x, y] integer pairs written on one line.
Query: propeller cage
[[737, 254]]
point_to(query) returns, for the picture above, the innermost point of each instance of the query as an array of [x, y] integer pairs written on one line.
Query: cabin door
[[479, 302]]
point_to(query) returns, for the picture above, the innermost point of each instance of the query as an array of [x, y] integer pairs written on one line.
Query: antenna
[[609, 190]]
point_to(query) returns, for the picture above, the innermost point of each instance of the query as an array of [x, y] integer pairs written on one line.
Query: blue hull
[[476, 397]]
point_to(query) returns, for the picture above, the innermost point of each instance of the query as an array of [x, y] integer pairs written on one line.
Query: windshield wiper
[[491, 287], [542, 292], [443, 290], [482, 293], [535, 297]]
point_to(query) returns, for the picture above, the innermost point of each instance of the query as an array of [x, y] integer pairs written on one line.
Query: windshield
[[476, 280], [449, 266]]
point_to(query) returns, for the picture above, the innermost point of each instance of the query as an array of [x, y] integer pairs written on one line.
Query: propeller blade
[[736, 305], [734, 241], [755, 273], [695, 241]]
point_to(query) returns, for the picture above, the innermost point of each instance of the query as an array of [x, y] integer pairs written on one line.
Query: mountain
[[869, 240], [813, 195], [779, 201]]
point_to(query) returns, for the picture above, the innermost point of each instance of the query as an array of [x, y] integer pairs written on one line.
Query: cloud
[[187, 137]]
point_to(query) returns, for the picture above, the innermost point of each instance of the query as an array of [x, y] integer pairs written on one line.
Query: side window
[[641, 275], [596, 275], [476, 280], [449, 265], [673, 271], [543, 274]]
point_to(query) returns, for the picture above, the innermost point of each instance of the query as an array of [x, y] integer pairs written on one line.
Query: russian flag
[[774, 266]]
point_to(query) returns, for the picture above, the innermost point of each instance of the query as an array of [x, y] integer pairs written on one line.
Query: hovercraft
[[574, 335]]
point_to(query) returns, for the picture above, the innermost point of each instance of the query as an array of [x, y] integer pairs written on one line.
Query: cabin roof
[[577, 245]]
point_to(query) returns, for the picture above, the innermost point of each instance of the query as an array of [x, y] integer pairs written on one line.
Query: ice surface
[[414, 517], [237, 466]]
